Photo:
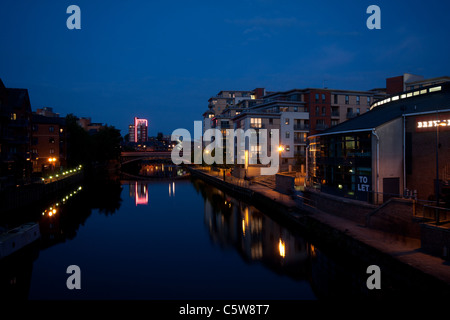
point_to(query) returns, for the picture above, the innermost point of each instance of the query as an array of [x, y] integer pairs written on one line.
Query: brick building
[[15, 136], [49, 143]]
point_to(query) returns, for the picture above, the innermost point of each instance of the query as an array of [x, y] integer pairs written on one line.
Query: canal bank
[[29, 195], [397, 256]]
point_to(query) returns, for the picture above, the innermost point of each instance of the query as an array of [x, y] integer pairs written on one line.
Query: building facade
[[400, 147], [49, 143], [138, 131], [15, 136]]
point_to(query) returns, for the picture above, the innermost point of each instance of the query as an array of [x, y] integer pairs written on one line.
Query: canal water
[[173, 239]]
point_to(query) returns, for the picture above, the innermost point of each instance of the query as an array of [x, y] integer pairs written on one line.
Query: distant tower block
[[138, 132]]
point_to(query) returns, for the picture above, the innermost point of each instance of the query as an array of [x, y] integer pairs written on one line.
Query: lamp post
[[438, 124], [52, 163], [280, 150]]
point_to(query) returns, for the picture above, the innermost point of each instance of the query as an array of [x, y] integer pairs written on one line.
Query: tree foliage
[[86, 148]]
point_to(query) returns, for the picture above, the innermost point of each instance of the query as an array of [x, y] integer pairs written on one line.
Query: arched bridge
[[130, 156]]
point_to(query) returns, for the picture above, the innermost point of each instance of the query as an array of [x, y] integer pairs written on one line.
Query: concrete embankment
[[398, 257], [25, 196]]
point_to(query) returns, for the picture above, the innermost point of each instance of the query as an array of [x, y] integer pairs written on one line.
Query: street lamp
[[439, 123], [52, 163]]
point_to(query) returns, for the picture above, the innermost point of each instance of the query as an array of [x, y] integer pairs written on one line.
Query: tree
[[78, 142], [86, 149]]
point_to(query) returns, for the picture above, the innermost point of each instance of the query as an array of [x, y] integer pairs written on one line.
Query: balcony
[[321, 126], [335, 114], [257, 125], [18, 123], [301, 126], [299, 141], [351, 115]]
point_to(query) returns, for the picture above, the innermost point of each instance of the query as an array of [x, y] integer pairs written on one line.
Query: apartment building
[[15, 136], [49, 143], [227, 104]]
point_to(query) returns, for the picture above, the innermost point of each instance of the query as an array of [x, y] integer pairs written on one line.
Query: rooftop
[[425, 100]]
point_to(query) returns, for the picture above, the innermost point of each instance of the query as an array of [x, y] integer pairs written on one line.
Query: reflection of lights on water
[[52, 210], [141, 194], [172, 189], [245, 220], [312, 251], [282, 248]]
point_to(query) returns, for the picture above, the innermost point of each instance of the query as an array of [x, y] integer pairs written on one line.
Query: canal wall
[[350, 209], [331, 231], [397, 216], [24, 196]]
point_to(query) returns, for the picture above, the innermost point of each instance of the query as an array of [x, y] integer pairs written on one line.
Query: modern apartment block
[[302, 112], [227, 104], [138, 131]]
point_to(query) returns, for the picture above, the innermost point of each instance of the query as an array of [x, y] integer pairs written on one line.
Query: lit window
[[255, 122], [395, 98], [423, 91], [434, 89]]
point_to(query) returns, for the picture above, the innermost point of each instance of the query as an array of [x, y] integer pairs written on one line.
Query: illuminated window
[[395, 98], [255, 122], [423, 91], [434, 89]]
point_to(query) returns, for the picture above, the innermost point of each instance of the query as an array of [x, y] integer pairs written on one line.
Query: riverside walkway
[[402, 249]]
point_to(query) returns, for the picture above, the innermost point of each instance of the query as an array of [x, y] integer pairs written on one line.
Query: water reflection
[[139, 191], [257, 237], [186, 264], [59, 221]]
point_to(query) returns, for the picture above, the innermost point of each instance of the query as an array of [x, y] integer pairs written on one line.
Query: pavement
[[405, 249]]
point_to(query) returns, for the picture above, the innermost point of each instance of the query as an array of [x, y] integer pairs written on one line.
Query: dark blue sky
[[163, 60]]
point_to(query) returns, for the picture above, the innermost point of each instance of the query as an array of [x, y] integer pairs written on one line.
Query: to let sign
[[363, 183]]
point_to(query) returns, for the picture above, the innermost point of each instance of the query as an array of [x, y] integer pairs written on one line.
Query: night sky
[[163, 60]]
